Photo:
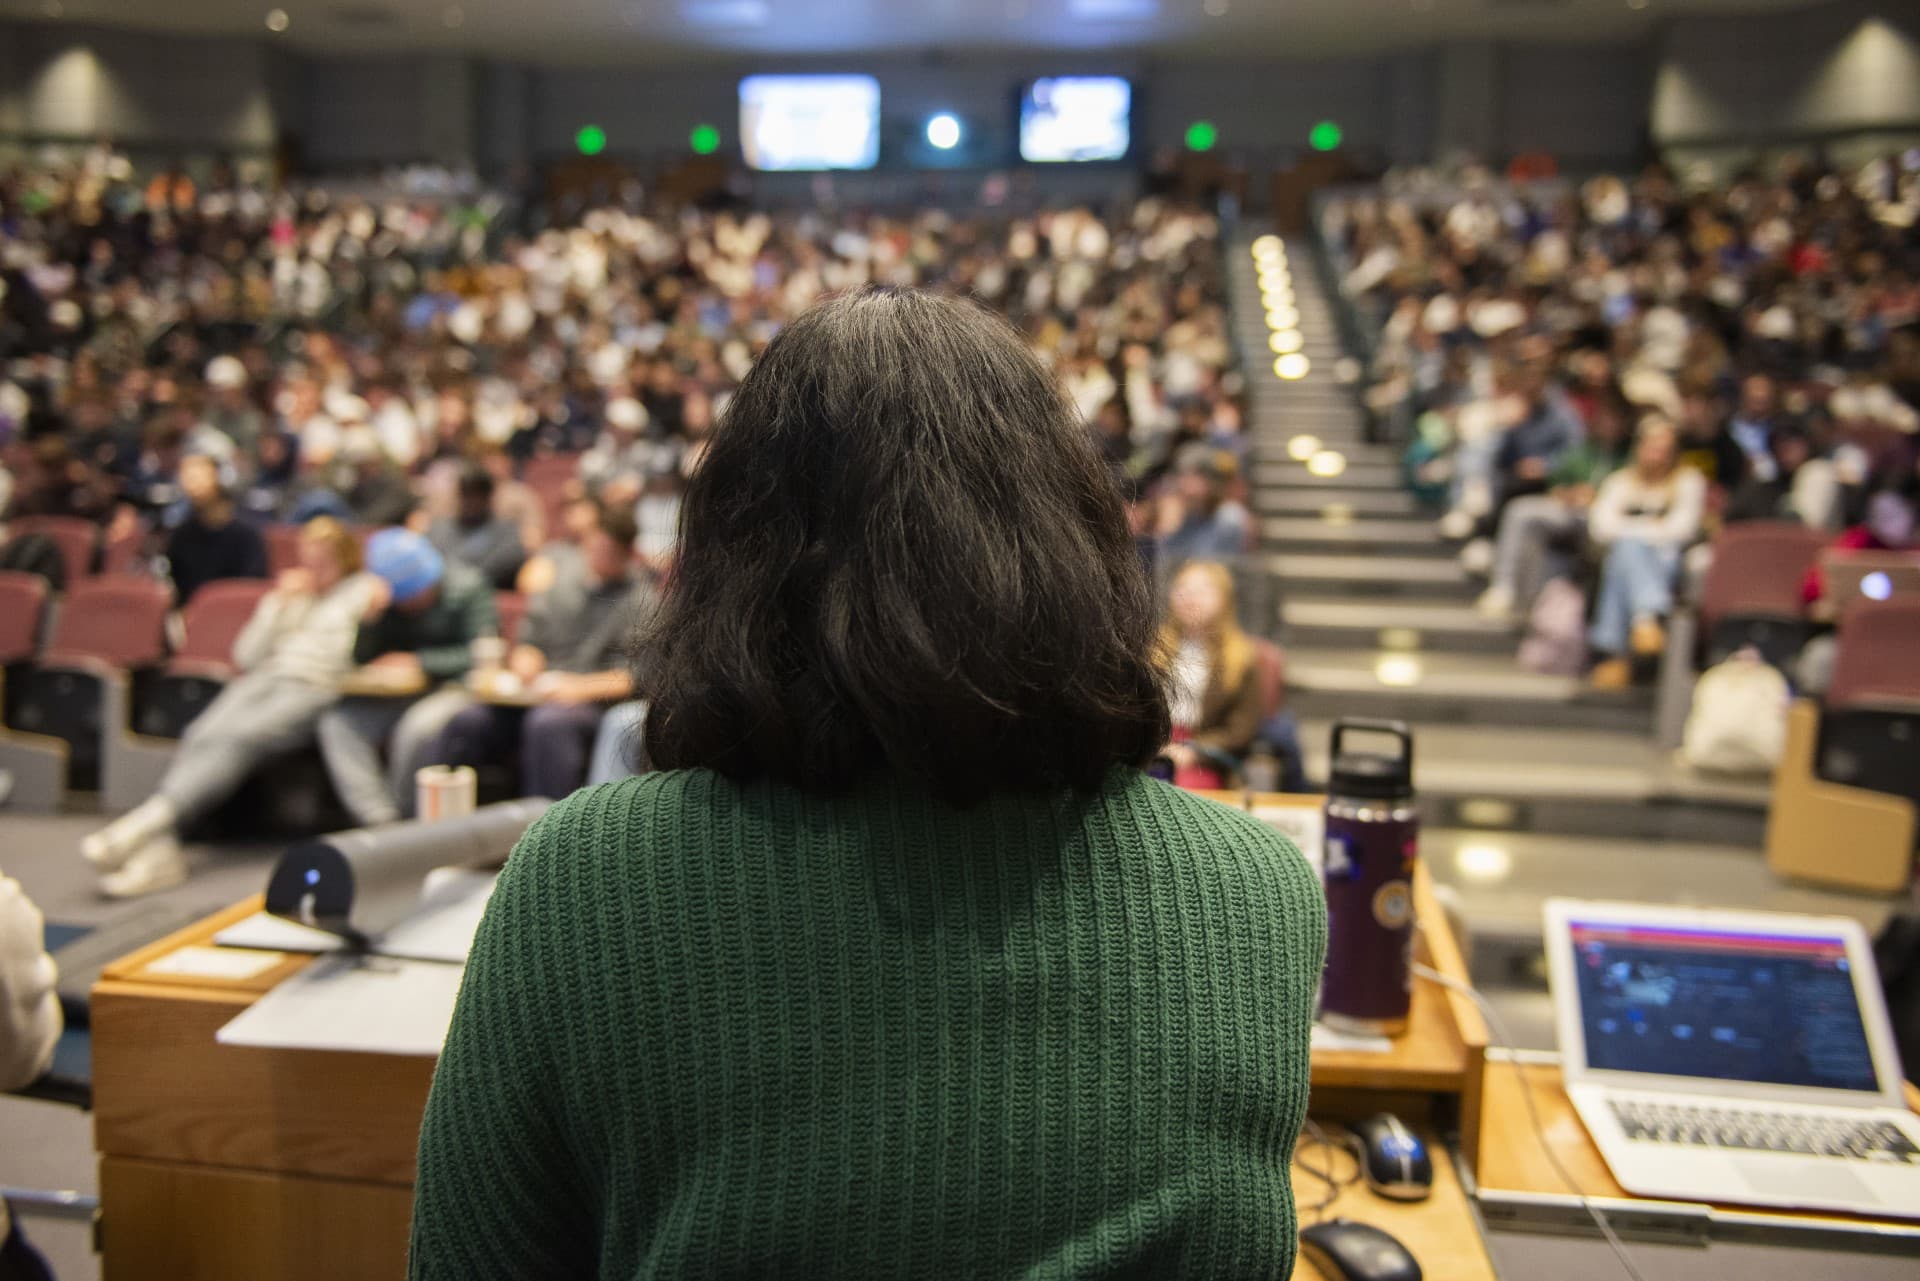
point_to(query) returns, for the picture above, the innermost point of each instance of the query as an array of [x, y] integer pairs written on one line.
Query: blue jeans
[[1635, 583], [617, 744]]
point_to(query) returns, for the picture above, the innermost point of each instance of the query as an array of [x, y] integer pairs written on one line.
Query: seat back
[[283, 547], [214, 617], [23, 603], [1878, 656], [118, 619], [550, 472], [513, 612], [76, 539], [1758, 567], [1271, 667]]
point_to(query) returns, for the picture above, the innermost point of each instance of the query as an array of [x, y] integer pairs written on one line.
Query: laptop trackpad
[[1804, 1180]]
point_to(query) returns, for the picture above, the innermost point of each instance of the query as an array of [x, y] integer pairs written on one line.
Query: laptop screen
[[1684, 1001]]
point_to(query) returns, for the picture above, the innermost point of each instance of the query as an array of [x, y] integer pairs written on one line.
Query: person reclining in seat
[[572, 655], [291, 655], [419, 629]]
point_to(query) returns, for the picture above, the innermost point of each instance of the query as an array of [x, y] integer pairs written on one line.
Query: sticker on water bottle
[[1340, 861], [1393, 905]]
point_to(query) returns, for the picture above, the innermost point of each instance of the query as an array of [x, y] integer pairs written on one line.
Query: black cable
[[1499, 1027]]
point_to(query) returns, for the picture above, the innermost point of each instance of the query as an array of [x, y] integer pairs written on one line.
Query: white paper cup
[[445, 791]]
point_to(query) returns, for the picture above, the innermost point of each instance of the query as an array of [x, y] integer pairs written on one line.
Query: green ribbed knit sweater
[[720, 1031]]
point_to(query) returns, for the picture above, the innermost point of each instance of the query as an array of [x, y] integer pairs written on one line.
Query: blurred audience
[[1643, 518], [210, 541], [1214, 684], [291, 657]]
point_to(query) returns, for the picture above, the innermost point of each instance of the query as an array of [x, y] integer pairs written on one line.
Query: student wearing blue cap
[[424, 618]]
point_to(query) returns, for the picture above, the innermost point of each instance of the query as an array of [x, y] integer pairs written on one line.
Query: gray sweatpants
[[254, 719], [350, 738]]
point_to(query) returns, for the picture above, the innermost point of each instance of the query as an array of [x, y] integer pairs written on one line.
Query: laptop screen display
[[1681, 1001]]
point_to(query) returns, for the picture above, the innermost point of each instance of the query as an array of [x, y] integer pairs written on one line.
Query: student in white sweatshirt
[[29, 1008], [1645, 515], [292, 655]]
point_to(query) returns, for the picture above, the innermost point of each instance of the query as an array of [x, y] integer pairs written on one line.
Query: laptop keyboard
[[1764, 1131]]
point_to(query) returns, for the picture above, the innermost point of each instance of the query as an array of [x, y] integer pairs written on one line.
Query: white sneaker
[[1496, 602], [1456, 525], [111, 846], [1477, 556], [157, 865]]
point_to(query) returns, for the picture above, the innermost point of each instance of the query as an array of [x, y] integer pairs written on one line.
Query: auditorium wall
[[1838, 73], [1701, 80]]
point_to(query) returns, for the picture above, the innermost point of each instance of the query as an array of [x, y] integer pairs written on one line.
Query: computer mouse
[[1347, 1251], [1394, 1159]]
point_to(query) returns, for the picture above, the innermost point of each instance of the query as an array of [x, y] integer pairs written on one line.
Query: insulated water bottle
[[1372, 840]]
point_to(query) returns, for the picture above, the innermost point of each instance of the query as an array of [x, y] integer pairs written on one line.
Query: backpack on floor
[[1556, 641], [1738, 722]]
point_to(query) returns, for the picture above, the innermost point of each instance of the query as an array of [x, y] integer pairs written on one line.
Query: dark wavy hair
[[903, 553]]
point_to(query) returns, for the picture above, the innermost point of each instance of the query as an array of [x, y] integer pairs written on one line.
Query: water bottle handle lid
[[1380, 775]]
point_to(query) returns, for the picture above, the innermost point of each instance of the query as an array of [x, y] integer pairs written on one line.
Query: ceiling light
[[1301, 448], [277, 20], [943, 131], [1283, 318], [1285, 341], [725, 13], [1327, 464], [1269, 245], [1292, 367]]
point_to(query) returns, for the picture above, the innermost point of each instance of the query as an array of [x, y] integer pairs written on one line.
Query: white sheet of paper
[[215, 962], [375, 1005], [1325, 1038], [1306, 825], [452, 900]]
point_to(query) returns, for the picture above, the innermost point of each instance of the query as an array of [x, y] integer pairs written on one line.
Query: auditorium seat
[[513, 613], [203, 661], [108, 628], [37, 762], [121, 554], [1878, 658], [283, 547], [1751, 593], [1870, 726], [77, 540]]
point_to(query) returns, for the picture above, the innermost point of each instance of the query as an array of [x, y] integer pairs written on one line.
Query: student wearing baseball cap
[[423, 619]]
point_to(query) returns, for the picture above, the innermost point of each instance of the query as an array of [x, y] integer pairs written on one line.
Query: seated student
[[1197, 519], [30, 1023], [1217, 702], [1888, 527], [475, 535], [211, 542], [1525, 553], [890, 970], [291, 655], [572, 653], [422, 621], [1787, 482], [29, 1005], [1645, 515], [1533, 428]]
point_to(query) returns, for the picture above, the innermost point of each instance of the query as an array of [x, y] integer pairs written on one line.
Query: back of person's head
[[903, 554], [476, 485], [1201, 606]]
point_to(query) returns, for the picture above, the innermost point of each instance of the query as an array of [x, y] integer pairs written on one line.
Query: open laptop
[[1733, 1056], [1855, 575]]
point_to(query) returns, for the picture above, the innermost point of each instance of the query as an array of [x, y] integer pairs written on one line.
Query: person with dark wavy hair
[[898, 965]]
